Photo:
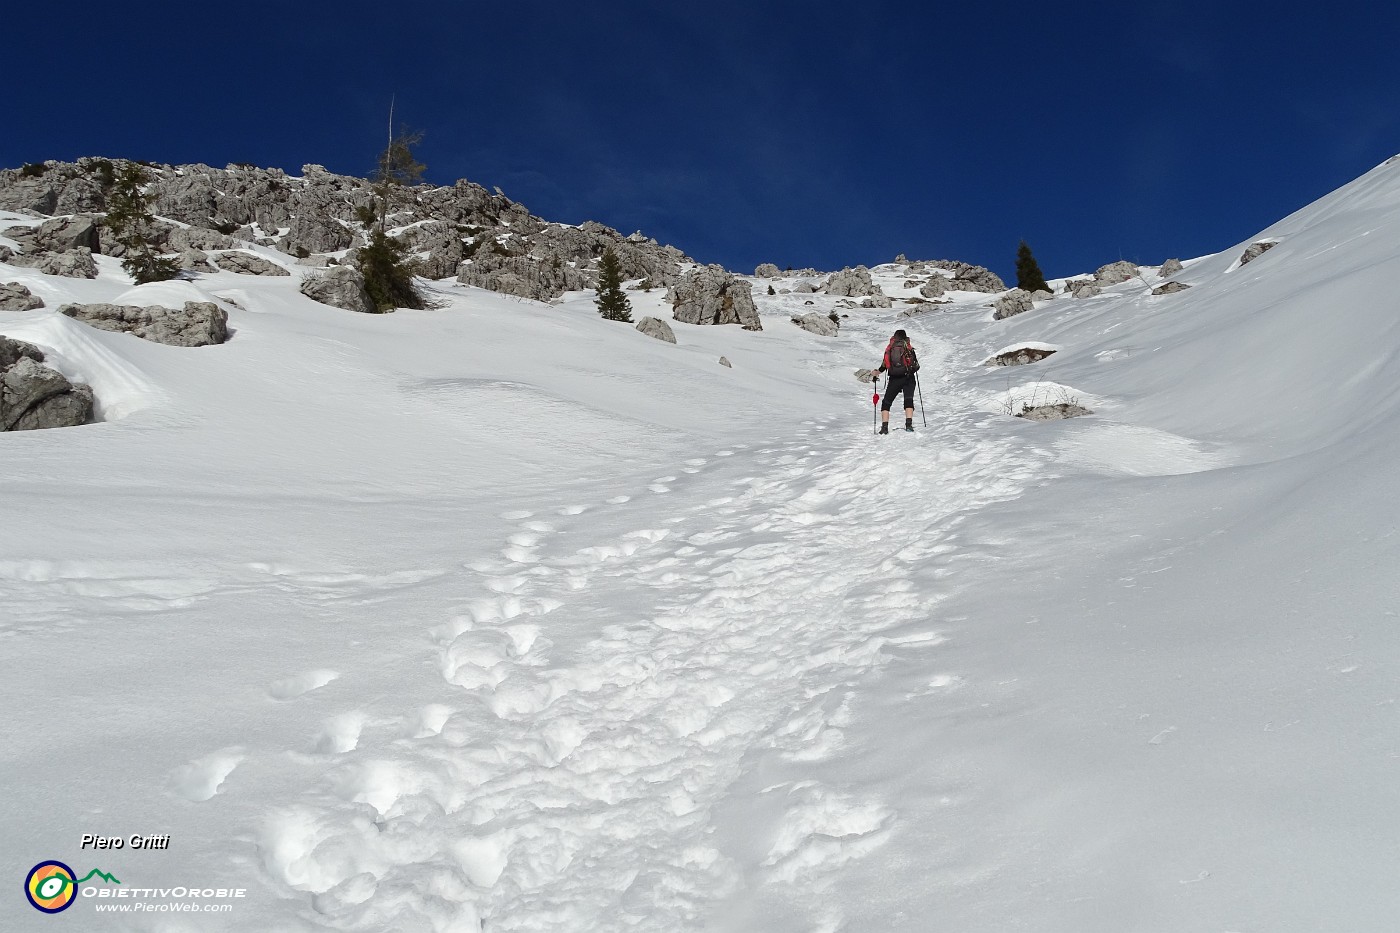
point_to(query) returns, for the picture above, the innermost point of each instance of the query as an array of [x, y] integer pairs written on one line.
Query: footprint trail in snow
[[609, 669]]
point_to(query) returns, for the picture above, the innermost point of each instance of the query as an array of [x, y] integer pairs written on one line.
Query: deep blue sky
[[811, 133]]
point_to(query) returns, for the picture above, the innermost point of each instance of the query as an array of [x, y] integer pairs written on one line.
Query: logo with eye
[[51, 887]]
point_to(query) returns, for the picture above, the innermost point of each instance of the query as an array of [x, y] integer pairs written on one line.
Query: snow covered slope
[[504, 617]]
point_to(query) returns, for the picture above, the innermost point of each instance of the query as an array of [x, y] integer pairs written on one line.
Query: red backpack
[[901, 359]]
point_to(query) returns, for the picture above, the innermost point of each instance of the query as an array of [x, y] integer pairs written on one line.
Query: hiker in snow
[[901, 363]]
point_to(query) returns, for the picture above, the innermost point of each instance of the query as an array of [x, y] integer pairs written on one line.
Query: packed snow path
[[608, 689]]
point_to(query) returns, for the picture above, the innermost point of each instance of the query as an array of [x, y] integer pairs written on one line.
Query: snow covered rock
[[1170, 267], [58, 235], [710, 295], [967, 277], [34, 396], [1115, 273], [67, 233], [183, 238], [196, 260], [12, 351], [851, 283], [316, 230], [655, 327], [823, 325], [73, 264], [316, 213], [439, 246], [1083, 288], [19, 193], [724, 361], [1255, 250], [197, 197], [1170, 288], [340, 287], [1055, 412], [767, 270], [15, 297], [525, 276], [158, 240], [934, 287], [1016, 301], [198, 324], [557, 258], [1020, 356], [875, 301], [248, 264], [1041, 294]]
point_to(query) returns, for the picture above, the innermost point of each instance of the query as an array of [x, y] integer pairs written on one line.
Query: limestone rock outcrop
[[451, 229], [1115, 273], [248, 264], [197, 324], [710, 295], [822, 325], [340, 287], [967, 277], [1055, 412], [655, 327], [1020, 356], [1255, 250], [34, 396], [74, 263], [851, 283], [934, 287], [196, 260], [1016, 301], [58, 235], [183, 238], [15, 297]]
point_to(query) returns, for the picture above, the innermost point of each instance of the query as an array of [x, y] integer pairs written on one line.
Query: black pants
[[903, 384]]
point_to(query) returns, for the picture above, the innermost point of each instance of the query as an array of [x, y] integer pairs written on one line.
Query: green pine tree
[[612, 302], [382, 261], [1028, 274], [388, 274], [129, 218]]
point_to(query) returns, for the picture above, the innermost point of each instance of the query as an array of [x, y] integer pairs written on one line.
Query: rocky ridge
[[462, 230], [35, 396]]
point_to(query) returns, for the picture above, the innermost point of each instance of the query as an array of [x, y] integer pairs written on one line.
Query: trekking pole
[[920, 386], [875, 401]]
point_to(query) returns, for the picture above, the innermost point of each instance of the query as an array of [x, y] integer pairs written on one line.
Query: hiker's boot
[[908, 424], [885, 428]]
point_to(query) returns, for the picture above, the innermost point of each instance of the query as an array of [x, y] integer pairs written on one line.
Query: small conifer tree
[[387, 270], [388, 274], [1028, 274], [612, 302], [132, 225]]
